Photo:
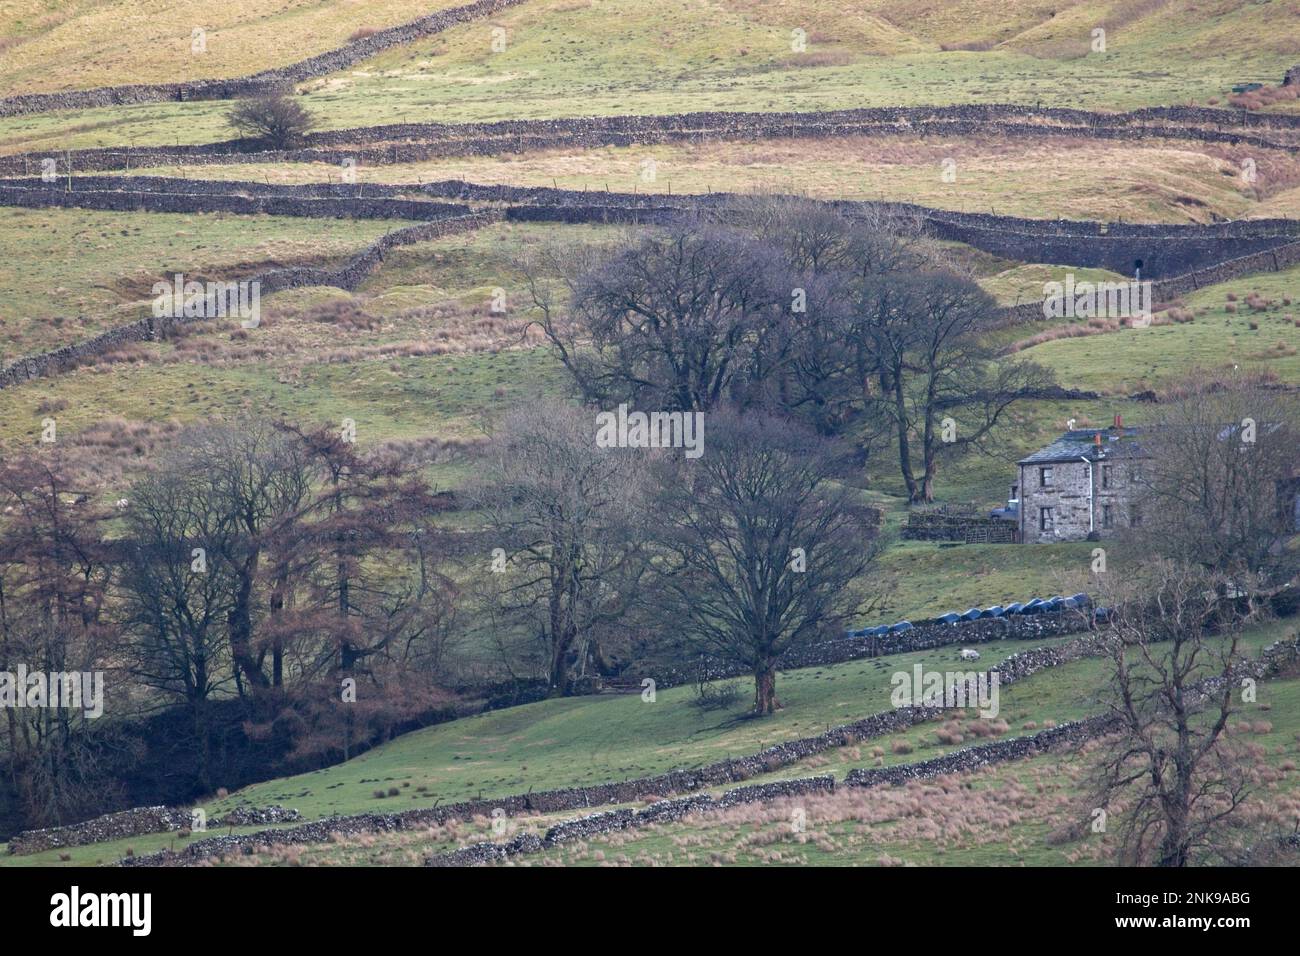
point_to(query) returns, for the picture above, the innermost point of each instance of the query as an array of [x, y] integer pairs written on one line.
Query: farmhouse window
[[1045, 477], [1045, 519], [1135, 516], [1107, 516], [1105, 476]]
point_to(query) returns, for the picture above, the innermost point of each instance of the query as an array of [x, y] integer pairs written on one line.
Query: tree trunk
[[904, 443], [765, 702], [240, 621]]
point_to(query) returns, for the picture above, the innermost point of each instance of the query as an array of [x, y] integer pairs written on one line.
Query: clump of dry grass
[[1264, 96]]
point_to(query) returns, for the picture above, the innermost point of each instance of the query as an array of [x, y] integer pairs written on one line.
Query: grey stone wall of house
[[1073, 515]]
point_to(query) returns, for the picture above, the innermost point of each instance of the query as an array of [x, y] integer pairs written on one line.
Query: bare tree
[[926, 336], [1170, 774], [175, 595], [569, 521], [761, 547], [277, 121], [669, 320], [257, 481], [1218, 485], [55, 571]]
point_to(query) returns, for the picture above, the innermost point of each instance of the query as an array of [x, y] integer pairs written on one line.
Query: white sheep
[[122, 502], [969, 655]]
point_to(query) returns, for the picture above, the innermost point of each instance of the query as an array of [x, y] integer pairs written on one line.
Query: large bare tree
[[569, 521], [925, 337], [668, 320], [760, 545], [1170, 776], [1218, 485]]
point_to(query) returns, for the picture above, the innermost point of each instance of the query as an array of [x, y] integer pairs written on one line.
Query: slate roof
[[1082, 443]]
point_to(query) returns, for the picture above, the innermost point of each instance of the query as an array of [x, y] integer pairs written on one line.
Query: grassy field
[[1132, 360], [583, 57], [67, 274], [76, 44]]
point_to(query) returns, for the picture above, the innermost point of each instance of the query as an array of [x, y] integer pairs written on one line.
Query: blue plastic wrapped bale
[[972, 614], [994, 611], [880, 631], [1033, 607], [950, 618], [1101, 614], [1080, 599], [1015, 608], [900, 627], [1069, 602]]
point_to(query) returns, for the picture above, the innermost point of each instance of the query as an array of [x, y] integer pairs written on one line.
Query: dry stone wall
[[597, 824], [1164, 251], [416, 142], [135, 822], [970, 759]]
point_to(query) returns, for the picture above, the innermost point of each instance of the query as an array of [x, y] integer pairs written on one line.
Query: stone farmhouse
[[1085, 485], [1082, 485]]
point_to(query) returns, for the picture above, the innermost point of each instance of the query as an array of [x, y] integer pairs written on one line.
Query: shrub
[[901, 747], [360, 33], [275, 121]]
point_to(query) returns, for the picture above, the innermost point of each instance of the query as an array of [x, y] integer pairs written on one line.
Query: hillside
[[372, 521]]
